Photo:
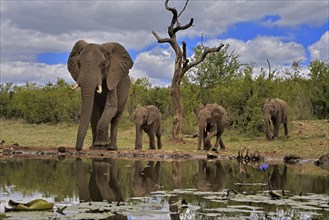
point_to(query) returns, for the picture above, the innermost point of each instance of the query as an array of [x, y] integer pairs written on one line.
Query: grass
[[309, 139]]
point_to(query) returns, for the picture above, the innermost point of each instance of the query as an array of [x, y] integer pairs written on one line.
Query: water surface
[[141, 189]]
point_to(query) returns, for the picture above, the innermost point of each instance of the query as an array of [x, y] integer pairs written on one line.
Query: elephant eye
[[103, 65]]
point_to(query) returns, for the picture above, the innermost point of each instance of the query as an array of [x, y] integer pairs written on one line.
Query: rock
[[211, 155], [291, 159], [61, 149], [323, 161]]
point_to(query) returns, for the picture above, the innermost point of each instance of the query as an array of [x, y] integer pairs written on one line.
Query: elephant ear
[[197, 109], [72, 64], [120, 64], [217, 114], [152, 115], [136, 110]]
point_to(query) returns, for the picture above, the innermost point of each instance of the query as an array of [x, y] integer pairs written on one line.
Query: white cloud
[[261, 48], [29, 28], [320, 49], [21, 72], [157, 65]]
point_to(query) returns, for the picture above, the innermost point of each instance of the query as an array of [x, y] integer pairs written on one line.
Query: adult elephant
[[212, 121], [147, 118], [275, 110], [101, 70]]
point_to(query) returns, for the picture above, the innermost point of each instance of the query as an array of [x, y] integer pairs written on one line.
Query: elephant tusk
[[75, 86], [99, 89]]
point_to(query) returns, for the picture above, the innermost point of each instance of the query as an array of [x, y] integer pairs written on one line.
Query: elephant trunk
[[267, 127], [201, 135], [87, 97], [138, 139]]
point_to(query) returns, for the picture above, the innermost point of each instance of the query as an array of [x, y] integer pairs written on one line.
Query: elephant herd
[[102, 72]]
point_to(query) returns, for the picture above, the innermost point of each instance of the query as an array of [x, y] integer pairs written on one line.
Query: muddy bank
[[61, 152], [12, 151]]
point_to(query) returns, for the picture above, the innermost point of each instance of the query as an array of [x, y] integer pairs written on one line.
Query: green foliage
[[141, 93], [39, 104], [221, 78], [319, 88], [6, 93]]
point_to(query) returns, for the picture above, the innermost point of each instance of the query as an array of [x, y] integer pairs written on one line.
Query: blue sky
[[37, 36]]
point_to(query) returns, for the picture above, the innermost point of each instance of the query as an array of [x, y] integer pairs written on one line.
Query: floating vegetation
[[204, 189]]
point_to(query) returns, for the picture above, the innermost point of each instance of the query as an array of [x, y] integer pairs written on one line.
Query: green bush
[[221, 78]]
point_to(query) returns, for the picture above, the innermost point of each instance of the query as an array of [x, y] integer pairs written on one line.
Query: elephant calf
[[147, 118], [212, 121], [275, 110]]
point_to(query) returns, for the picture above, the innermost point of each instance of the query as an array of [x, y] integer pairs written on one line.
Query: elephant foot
[[111, 147], [97, 147], [215, 150], [207, 147], [103, 142]]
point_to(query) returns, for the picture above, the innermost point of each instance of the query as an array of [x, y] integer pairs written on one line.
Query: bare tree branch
[[183, 8], [185, 60], [184, 50], [160, 39], [269, 69], [174, 12], [182, 65], [178, 28], [203, 56]]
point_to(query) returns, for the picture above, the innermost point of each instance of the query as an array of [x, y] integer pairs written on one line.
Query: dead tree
[[182, 65]]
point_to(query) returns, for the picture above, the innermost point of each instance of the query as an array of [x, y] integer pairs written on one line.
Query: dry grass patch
[[308, 139]]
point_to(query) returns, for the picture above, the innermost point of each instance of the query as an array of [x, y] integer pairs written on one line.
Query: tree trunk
[[177, 132], [182, 65]]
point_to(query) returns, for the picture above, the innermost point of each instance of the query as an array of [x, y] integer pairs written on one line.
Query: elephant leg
[[119, 97], [109, 112], [206, 144], [114, 131], [285, 123], [96, 113], [93, 122], [151, 137], [216, 143], [220, 140], [139, 137], [276, 128], [221, 143], [158, 135]]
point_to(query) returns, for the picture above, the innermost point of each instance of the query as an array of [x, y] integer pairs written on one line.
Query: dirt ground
[[308, 139], [13, 151]]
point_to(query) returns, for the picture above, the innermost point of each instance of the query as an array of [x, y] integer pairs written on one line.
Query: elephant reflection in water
[[146, 179], [210, 176], [103, 182], [278, 180]]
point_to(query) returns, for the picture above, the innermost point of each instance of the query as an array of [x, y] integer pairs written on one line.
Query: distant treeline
[[221, 78]]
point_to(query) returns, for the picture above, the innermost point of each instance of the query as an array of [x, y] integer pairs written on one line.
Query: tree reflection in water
[[163, 184]]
